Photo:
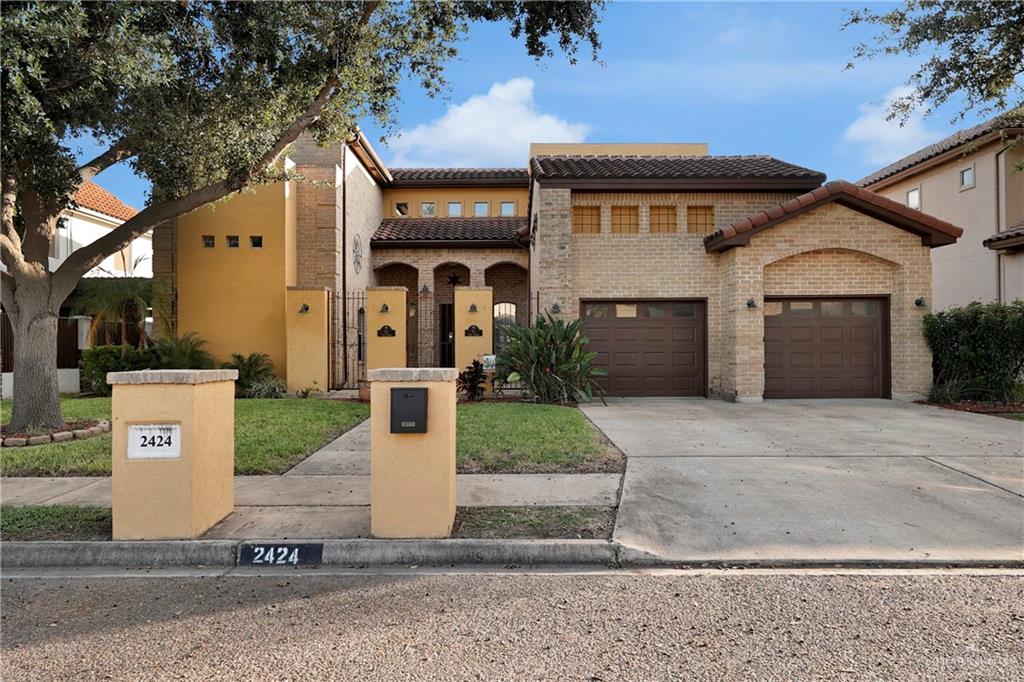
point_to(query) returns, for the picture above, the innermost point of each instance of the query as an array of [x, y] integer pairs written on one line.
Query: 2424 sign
[[154, 441]]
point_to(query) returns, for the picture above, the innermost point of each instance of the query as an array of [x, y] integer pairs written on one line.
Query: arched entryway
[[402, 275], [510, 287], [447, 276]]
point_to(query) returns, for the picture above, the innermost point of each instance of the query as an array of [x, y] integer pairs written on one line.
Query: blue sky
[[747, 78]]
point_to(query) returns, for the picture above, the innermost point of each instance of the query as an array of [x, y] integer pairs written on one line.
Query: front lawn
[[55, 523], [271, 436], [520, 438]]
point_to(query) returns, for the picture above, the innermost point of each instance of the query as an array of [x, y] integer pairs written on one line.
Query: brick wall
[[165, 248]]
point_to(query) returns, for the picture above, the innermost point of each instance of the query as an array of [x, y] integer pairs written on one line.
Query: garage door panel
[[863, 335], [832, 334], [801, 334]]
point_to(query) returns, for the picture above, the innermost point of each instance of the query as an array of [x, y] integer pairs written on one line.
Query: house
[[975, 179], [93, 213], [740, 277]]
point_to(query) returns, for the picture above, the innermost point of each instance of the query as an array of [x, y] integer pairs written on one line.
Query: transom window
[[700, 219], [454, 209], [481, 209], [914, 198], [508, 208], [625, 219], [586, 219], [663, 219], [428, 209]]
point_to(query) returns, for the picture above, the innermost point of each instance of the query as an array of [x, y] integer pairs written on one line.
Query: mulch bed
[[980, 407]]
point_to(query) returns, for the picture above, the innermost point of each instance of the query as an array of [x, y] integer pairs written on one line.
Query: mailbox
[[408, 410]]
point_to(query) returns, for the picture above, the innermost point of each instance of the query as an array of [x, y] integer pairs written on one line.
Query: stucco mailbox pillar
[[173, 452], [474, 324], [387, 317], [412, 464]]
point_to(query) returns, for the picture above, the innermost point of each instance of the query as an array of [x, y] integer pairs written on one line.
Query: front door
[[447, 330]]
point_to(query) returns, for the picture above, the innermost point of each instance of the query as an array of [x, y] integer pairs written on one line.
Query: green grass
[[524, 438], [534, 522], [55, 523], [271, 436]]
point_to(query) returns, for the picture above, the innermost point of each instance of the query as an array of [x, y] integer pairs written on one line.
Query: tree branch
[[7, 286], [118, 152]]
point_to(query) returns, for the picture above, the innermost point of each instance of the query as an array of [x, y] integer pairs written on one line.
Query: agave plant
[[551, 359], [252, 369]]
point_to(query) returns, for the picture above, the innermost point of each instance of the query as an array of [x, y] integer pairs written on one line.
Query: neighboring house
[[740, 277], [94, 212], [972, 179]]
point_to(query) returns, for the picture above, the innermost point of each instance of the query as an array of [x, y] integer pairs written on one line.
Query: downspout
[[999, 206], [344, 264]]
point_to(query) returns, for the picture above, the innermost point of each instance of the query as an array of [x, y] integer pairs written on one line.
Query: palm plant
[[183, 352], [551, 359], [253, 369], [117, 301]]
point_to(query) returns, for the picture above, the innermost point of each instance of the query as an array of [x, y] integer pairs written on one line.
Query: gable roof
[[1008, 121], [1007, 239], [673, 172], [933, 232], [495, 232], [95, 198], [432, 177]]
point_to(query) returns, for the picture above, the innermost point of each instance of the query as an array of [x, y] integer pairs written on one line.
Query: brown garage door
[[826, 348], [648, 347]]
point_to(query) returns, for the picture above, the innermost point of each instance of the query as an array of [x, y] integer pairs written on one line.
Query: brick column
[[554, 250], [165, 254], [425, 317]]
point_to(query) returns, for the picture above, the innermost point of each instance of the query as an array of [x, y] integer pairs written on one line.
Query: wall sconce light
[[555, 308], [751, 303], [384, 308], [425, 289], [921, 303], [472, 307], [304, 308]]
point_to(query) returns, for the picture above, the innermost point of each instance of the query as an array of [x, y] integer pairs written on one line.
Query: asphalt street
[[512, 625]]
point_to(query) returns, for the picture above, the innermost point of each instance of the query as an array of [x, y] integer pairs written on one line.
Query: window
[[508, 208], [914, 198], [586, 219], [967, 177], [232, 241], [663, 219], [623, 310], [256, 241], [595, 310], [428, 209], [625, 219], [481, 209], [700, 219], [454, 209], [208, 241], [402, 209]]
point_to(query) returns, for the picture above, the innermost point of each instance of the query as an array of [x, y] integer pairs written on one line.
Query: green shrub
[[99, 360], [183, 352], [472, 380], [551, 359], [266, 387], [978, 350], [252, 368]]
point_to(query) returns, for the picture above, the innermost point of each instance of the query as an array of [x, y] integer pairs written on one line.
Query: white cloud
[[880, 141], [494, 129]]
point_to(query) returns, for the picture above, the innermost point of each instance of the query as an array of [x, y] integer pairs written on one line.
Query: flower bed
[[73, 430]]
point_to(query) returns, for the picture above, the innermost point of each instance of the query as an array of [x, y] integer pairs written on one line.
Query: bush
[[472, 380], [978, 350], [266, 387], [252, 368], [183, 352], [551, 359], [99, 360]]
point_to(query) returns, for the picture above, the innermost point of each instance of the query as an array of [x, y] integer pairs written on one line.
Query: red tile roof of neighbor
[[423, 177], [402, 231], [1000, 239], [95, 198], [933, 231], [1008, 120]]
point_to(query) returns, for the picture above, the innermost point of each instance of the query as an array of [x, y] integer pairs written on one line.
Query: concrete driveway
[[816, 481]]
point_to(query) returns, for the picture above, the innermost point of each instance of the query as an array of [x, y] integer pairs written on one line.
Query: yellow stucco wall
[[469, 348], [234, 298], [412, 475], [385, 351], [174, 498], [414, 196], [308, 344]]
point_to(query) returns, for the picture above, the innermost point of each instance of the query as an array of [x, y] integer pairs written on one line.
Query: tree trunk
[[36, 391]]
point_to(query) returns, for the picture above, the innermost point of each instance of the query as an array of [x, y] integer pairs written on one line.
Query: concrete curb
[[118, 553]]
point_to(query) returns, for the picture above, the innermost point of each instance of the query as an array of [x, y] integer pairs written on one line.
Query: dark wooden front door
[[446, 328], [649, 348], [826, 348]]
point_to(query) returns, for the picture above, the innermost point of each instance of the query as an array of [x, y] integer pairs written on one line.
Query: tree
[[976, 50], [120, 301], [202, 98]]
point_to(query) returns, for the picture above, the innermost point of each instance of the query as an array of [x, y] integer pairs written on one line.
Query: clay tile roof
[[95, 198], [425, 177], [400, 231], [671, 168], [938, 232], [1010, 119], [1000, 239]]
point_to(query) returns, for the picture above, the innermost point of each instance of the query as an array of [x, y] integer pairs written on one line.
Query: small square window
[[508, 208], [914, 198], [402, 209], [208, 241], [663, 219], [833, 308], [967, 177], [625, 219], [481, 209], [232, 241], [256, 241], [454, 209], [586, 219], [700, 219], [624, 310], [595, 310], [428, 209]]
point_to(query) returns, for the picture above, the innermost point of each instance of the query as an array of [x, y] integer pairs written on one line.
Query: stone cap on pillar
[[387, 288], [172, 376], [474, 288], [398, 374]]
